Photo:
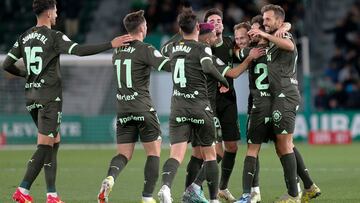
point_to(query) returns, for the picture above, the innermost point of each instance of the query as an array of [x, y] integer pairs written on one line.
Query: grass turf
[[335, 169]]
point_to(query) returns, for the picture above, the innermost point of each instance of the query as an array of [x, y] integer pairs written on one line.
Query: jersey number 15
[[33, 62]]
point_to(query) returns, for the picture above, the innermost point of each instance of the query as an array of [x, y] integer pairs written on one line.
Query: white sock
[[24, 191], [53, 194], [146, 199], [197, 187], [299, 187], [214, 201], [255, 189]]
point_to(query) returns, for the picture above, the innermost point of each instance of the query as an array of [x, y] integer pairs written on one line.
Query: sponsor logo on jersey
[[265, 94], [34, 106], [184, 119], [125, 97], [32, 84], [126, 119], [177, 93]]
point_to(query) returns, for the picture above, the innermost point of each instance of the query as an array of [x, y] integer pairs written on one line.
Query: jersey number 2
[[127, 63], [179, 72], [258, 81], [33, 62]]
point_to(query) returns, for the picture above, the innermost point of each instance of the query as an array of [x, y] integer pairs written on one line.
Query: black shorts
[[259, 126], [185, 123], [194, 138], [46, 115], [132, 125], [284, 108], [228, 117]]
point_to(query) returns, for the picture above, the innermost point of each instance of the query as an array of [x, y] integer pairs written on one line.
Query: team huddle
[[203, 64]]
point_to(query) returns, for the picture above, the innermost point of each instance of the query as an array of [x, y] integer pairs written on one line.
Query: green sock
[[151, 175], [117, 164]]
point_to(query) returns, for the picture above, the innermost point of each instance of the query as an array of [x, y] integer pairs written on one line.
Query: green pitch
[[335, 169]]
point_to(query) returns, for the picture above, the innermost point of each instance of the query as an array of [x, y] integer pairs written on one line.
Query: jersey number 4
[[33, 61], [179, 73], [127, 63]]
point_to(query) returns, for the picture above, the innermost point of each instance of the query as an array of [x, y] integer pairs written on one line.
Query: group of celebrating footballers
[[202, 63]]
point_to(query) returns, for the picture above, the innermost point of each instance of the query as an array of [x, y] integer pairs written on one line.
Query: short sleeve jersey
[[133, 65], [224, 52], [213, 83], [258, 74], [40, 48], [189, 79], [282, 66]]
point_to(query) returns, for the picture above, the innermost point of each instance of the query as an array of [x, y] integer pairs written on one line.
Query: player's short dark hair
[[40, 6], [257, 19], [213, 11], [187, 21], [133, 20], [279, 12], [244, 25]]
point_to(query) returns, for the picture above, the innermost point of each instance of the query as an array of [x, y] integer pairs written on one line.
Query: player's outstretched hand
[[121, 41], [255, 53], [254, 32]]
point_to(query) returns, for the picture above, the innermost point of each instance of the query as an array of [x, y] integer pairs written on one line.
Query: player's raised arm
[[65, 45], [10, 60], [209, 68], [251, 55], [157, 60]]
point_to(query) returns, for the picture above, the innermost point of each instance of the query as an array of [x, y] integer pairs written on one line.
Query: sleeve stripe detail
[[204, 58], [12, 56], [225, 70], [71, 48], [162, 64]]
